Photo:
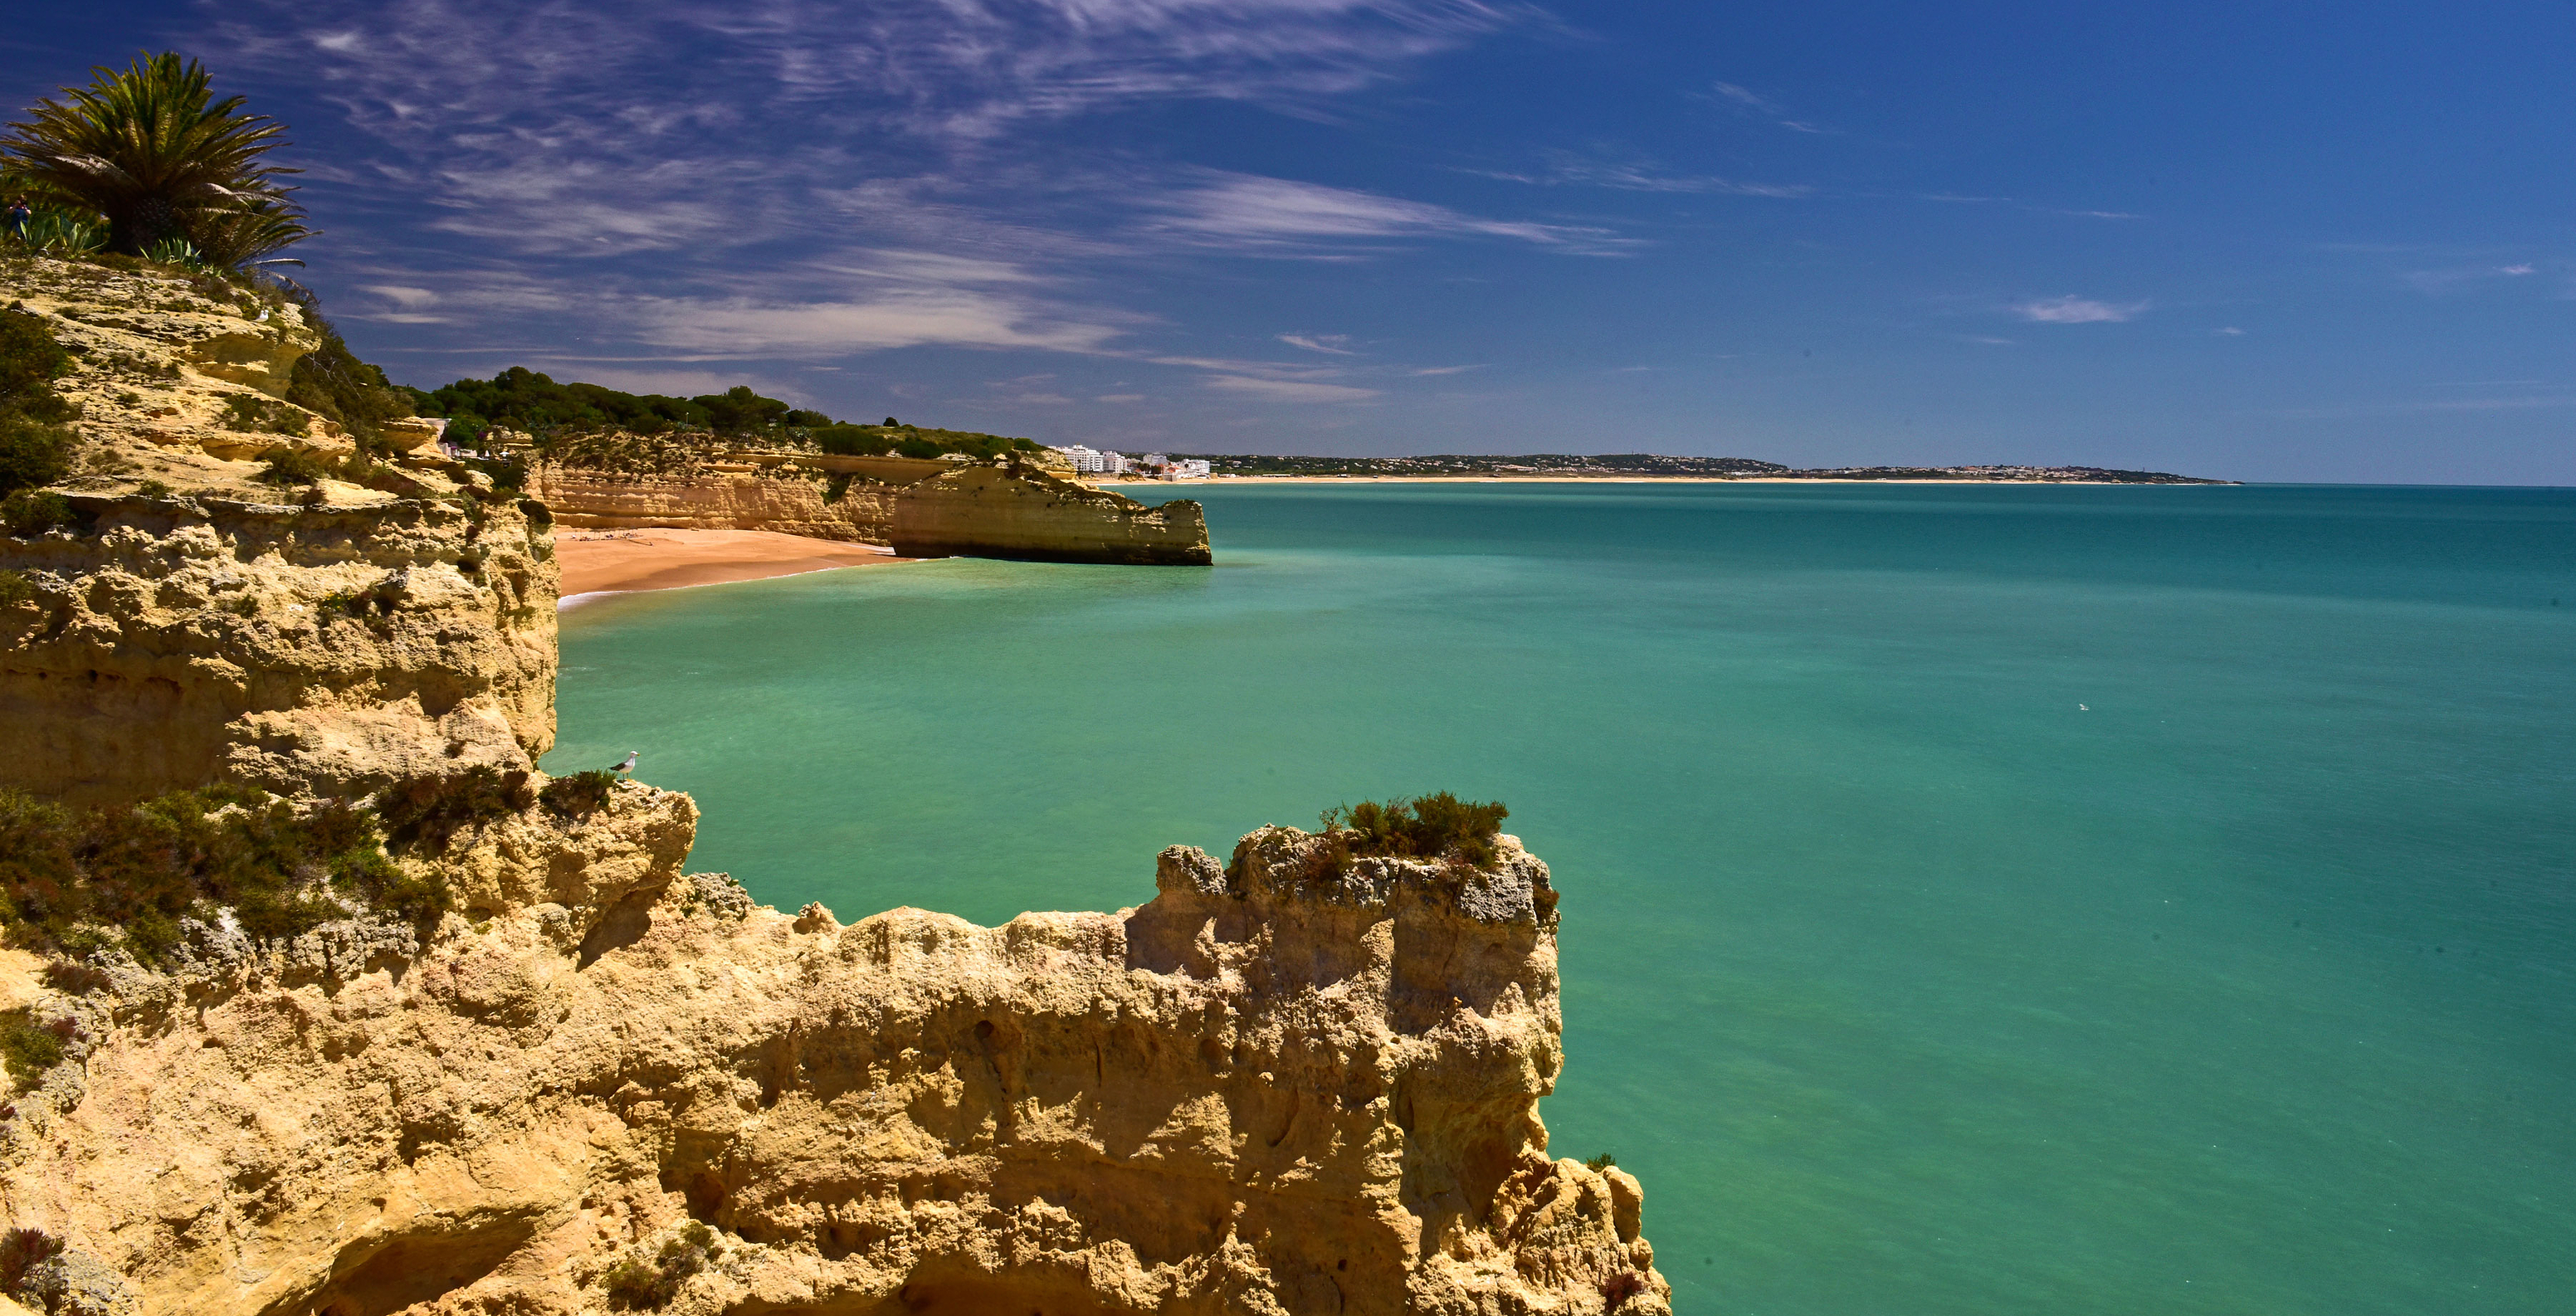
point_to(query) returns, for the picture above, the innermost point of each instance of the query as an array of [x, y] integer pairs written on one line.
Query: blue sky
[[2262, 241]]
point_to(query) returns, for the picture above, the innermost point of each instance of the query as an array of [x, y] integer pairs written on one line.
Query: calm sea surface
[[1977, 900]]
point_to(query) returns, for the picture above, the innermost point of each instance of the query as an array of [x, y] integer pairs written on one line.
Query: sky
[[2253, 241]]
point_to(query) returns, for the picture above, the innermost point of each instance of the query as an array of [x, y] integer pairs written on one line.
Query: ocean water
[[1976, 899]]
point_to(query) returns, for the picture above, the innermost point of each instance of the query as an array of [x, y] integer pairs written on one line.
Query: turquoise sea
[[1976, 899]]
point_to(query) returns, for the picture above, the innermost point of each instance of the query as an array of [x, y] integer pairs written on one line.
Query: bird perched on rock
[[624, 765]]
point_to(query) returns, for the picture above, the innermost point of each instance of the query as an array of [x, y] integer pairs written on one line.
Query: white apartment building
[[1089, 462]]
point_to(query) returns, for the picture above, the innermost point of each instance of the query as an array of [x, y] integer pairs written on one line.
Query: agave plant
[[152, 150], [54, 233]]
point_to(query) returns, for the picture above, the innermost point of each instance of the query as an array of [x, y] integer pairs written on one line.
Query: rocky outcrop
[[1010, 511], [1275, 1087], [1291, 1083], [162, 362], [323, 648], [861, 511]]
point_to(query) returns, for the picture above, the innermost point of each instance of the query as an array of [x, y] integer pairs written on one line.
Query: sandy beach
[[619, 561]]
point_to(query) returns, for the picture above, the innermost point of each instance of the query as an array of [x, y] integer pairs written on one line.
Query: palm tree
[[152, 150]]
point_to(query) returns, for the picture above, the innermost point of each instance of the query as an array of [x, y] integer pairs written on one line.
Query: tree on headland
[[149, 148]]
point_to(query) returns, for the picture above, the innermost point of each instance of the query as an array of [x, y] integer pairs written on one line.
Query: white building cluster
[[1151, 466]]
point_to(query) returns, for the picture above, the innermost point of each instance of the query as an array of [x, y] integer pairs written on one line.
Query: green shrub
[[1426, 827], [836, 487], [34, 446], [509, 474], [287, 466], [29, 1048], [16, 588], [252, 414], [32, 453], [420, 900], [138, 870], [331, 382], [30, 359], [424, 813], [152, 489], [1601, 1162], [638, 1286], [31, 512], [580, 793]]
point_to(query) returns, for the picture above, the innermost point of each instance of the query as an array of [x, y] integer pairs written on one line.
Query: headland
[[319, 996]]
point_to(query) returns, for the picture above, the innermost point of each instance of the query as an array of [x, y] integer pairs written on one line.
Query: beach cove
[[1977, 899]]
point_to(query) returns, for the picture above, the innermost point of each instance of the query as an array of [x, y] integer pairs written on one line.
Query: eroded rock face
[[1273, 1088], [604, 500], [306, 649], [1021, 512]]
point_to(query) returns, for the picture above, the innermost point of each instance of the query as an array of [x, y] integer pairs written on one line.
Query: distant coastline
[[1647, 479], [1628, 466]]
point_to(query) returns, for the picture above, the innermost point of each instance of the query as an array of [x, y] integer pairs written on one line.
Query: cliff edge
[[395, 1023]]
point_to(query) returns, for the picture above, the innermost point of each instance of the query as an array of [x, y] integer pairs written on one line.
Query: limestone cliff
[[324, 647], [1292, 1083], [925, 508], [1019, 512], [853, 511], [1273, 1088]]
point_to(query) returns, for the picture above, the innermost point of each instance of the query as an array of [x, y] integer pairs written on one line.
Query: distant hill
[[1608, 465]]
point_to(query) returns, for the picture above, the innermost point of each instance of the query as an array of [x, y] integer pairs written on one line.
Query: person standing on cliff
[[19, 214]]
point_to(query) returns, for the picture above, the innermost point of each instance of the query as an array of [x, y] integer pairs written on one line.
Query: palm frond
[[150, 148]]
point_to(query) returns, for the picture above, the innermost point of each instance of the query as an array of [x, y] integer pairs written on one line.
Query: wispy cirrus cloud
[[1568, 169], [1329, 343], [690, 179], [1279, 216], [1290, 390], [2078, 310], [1745, 99]]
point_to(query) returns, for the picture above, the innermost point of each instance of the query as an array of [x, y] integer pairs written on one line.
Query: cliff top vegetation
[[1436, 826], [561, 414]]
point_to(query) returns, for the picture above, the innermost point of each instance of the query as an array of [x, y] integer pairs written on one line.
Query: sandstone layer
[[862, 513], [1020, 512], [325, 648], [1272, 1089]]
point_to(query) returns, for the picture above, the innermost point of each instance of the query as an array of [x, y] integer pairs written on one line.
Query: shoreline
[[597, 563], [1628, 479]]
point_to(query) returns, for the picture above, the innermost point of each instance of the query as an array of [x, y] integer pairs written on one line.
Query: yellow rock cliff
[[1286, 1083]]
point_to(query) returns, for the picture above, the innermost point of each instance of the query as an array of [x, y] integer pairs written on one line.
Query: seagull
[[630, 759], [627, 765]]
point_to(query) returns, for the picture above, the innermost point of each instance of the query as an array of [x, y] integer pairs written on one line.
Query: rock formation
[[861, 512], [1293, 1083], [1020, 512], [328, 647], [924, 508]]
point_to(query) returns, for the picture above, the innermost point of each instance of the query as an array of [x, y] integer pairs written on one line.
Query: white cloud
[[1741, 96], [406, 297], [1120, 397], [1285, 390], [1250, 212], [2078, 310], [2230, 331], [1565, 169], [890, 318], [1331, 343], [2515, 270]]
